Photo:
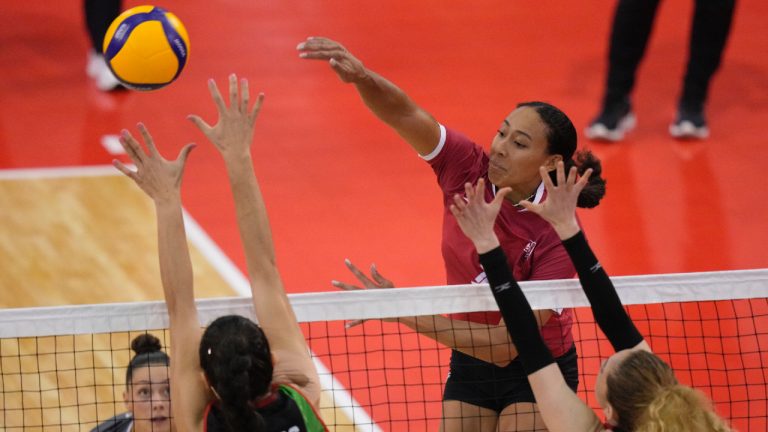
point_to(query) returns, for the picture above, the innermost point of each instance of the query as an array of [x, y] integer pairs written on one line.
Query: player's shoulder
[[452, 143]]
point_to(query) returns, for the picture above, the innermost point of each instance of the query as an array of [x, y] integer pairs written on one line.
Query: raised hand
[[157, 177], [233, 132], [346, 66], [476, 217], [559, 209], [376, 281]]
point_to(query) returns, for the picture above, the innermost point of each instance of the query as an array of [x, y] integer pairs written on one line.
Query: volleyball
[[146, 47]]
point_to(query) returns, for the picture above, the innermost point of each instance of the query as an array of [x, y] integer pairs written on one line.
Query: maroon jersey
[[533, 248]]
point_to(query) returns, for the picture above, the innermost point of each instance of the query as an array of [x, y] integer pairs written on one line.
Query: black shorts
[[489, 386]]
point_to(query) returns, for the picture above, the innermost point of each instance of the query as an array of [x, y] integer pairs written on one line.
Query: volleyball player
[[235, 376], [636, 389], [532, 135], [147, 394]]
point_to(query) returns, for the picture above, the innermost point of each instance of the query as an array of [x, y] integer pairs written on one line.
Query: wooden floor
[[92, 238], [338, 184]]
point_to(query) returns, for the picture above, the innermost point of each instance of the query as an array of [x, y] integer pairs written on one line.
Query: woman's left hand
[[157, 177], [476, 217], [376, 281]]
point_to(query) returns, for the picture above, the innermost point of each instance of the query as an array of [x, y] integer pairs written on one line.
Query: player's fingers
[[184, 153], [500, 195], [216, 95], [573, 173], [381, 280], [560, 173], [367, 282], [326, 43], [584, 179], [531, 207], [131, 147], [469, 192], [148, 141], [124, 169], [546, 178], [459, 203], [204, 127], [354, 323], [455, 211], [479, 190], [323, 54], [316, 43], [344, 286], [233, 102], [257, 107], [244, 96]]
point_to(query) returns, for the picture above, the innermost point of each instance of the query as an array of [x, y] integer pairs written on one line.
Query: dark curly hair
[[562, 140], [148, 351], [235, 356]]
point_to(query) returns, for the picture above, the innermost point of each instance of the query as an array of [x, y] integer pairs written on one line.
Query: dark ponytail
[[148, 351], [562, 139], [235, 356], [594, 191]]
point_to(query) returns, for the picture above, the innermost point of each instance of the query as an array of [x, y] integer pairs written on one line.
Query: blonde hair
[[647, 398], [680, 408]]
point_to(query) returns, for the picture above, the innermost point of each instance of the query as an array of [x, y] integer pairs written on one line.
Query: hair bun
[[145, 343]]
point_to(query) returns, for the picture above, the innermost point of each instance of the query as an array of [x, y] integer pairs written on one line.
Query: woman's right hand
[[346, 66], [476, 217]]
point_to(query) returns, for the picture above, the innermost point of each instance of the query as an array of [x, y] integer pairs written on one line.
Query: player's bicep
[[286, 340], [298, 371], [189, 391], [420, 130]]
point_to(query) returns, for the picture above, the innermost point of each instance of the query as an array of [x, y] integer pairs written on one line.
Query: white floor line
[[59, 172]]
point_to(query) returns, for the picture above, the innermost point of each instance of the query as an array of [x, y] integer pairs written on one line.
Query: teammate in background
[[237, 375], [147, 392], [636, 389], [534, 134]]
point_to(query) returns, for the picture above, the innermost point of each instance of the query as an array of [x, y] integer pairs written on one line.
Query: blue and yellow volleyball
[[146, 47]]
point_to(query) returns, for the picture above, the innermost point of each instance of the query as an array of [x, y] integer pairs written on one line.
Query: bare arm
[[560, 408], [487, 342], [232, 136], [161, 180], [388, 102]]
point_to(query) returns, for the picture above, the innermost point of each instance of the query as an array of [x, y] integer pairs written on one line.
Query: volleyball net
[[63, 368]]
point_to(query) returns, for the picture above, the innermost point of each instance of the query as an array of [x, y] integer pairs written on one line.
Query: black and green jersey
[[286, 411]]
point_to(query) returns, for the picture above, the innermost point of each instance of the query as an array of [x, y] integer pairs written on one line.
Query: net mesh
[[63, 369]]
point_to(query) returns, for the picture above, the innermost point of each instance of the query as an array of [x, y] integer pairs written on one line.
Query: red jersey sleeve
[[456, 160]]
